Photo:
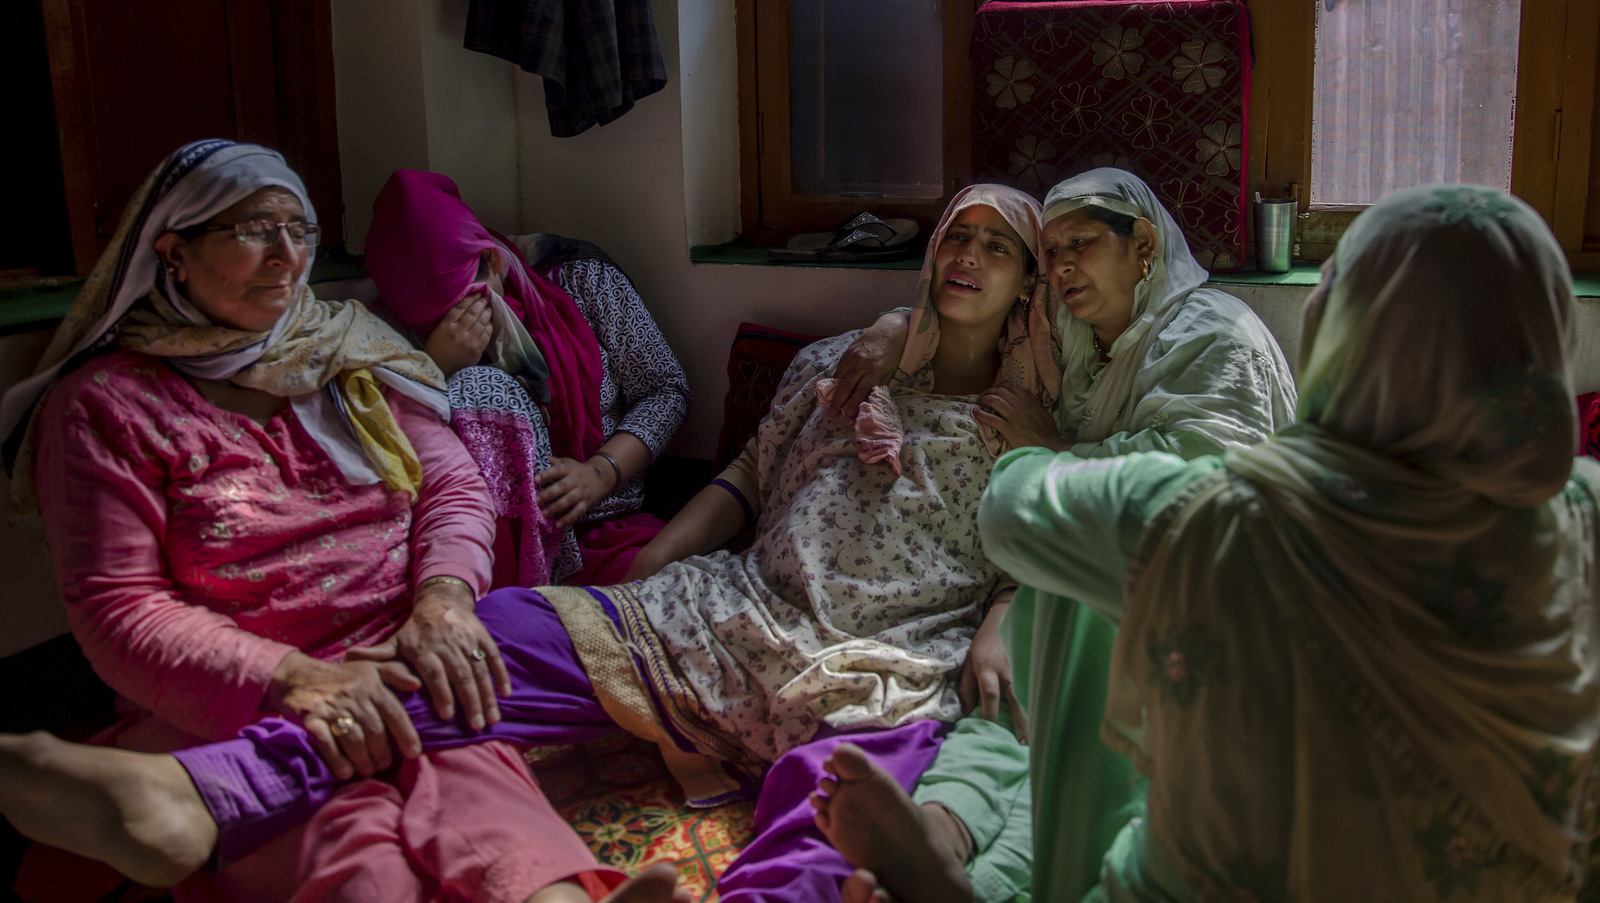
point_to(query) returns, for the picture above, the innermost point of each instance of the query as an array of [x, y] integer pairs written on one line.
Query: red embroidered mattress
[[1158, 89]]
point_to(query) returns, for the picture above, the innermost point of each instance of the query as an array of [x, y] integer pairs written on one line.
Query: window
[[846, 105], [1410, 92], [1352, 98]]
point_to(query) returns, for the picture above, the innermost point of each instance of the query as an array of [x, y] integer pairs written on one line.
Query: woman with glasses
[[846, 616], [240, 482]]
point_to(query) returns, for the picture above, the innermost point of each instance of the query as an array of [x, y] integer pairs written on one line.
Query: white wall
[[30, 608], [708, 84], [408, 96], [622, 186]]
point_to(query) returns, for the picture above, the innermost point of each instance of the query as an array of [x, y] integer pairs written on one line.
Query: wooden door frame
[[305, 115]]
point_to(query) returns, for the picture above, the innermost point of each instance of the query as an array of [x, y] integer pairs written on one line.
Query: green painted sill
[[742, 253], [42, 304]]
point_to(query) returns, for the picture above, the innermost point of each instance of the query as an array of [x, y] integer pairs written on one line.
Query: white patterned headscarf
[[1093, 400]]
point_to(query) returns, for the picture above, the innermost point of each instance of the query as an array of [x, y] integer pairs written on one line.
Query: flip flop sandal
[[863, 237]]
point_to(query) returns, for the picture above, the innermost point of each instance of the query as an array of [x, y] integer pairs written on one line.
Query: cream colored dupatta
[[328, 357]]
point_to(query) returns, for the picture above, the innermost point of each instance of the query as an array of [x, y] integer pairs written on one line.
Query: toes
[[861, 887], [851, 763], [656, 884]]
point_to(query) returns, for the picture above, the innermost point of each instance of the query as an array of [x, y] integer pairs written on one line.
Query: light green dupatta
[[1365, 663]]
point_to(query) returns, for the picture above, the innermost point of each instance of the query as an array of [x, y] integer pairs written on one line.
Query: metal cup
[[1274, 234]]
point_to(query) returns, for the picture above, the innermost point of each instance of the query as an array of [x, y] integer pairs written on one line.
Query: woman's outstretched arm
[[714, 516]]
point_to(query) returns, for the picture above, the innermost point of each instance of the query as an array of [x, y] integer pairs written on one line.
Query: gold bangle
[[446, 578]]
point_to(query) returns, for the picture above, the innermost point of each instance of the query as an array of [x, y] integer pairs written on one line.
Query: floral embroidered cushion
[[1158, 89]]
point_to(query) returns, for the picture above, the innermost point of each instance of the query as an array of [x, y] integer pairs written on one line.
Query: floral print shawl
[[851, 609]]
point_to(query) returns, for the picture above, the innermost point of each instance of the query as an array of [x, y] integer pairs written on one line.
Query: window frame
[[1551, 164], [770, 210], [295, 112]]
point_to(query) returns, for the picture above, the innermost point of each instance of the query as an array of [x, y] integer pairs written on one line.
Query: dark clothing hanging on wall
[[597, 56]]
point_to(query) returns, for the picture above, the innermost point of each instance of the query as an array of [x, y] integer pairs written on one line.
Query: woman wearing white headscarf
[[1358, 661], [243, 485], [1152, 360]]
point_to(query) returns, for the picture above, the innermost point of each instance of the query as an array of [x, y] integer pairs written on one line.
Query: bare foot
[[862, 887], [656, 884], [916, 855], [138, 813]]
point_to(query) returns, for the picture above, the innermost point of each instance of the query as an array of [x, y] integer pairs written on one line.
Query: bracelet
[[446, 578], [994, 597], [614, 466]]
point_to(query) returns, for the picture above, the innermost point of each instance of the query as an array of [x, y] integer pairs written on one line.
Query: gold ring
[[479, 655], [342, 725]]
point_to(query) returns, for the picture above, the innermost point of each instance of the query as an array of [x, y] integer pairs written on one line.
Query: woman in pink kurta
[[256, 484]]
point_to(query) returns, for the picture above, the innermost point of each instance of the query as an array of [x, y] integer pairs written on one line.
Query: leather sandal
[[863, 237]]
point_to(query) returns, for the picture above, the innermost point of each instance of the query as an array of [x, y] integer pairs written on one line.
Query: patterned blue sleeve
[[644, 390]]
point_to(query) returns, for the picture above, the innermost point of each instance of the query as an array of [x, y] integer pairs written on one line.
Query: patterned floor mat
[[618, 796]]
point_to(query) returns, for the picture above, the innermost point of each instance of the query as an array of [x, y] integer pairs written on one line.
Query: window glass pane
[[1410, 92], [866, 97]]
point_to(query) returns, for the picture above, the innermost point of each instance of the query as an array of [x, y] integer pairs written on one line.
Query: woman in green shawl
[[1358, 661]]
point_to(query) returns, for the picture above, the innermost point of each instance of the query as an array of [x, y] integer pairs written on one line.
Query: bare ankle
[[949, 832], [560, 892]]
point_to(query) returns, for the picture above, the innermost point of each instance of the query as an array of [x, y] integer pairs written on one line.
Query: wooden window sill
[[740, 252], [41, 303]]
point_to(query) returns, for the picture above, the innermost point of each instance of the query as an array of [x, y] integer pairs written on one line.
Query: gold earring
[[1146, 265]]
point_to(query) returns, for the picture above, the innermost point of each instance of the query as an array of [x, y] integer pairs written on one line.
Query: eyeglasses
[[263, 233]]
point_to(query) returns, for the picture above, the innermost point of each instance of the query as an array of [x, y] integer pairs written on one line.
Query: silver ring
[[479, 655], [342, 726]]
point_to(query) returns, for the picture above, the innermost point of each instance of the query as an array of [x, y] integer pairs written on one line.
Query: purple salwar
[[790, 859], [270, 779]]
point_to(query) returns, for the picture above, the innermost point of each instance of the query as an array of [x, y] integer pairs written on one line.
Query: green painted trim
[[1584, 285], [742, 253], [37, 306], [1299, 274], [43, 304]]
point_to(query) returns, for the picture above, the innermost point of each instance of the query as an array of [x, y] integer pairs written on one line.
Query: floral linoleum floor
[[618, 796]]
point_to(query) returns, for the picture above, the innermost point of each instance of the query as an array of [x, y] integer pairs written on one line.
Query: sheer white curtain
[[1409, 92]]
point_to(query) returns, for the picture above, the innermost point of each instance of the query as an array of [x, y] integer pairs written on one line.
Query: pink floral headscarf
[[1030, 342]]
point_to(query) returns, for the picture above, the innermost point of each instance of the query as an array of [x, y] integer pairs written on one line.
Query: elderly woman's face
[[1092, 269], [980, 267], [236, 284]]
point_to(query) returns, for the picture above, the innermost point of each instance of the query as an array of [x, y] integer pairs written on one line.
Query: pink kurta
[[195, 548]]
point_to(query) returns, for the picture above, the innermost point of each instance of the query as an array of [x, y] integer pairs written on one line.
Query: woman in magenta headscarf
[[579, 394]]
